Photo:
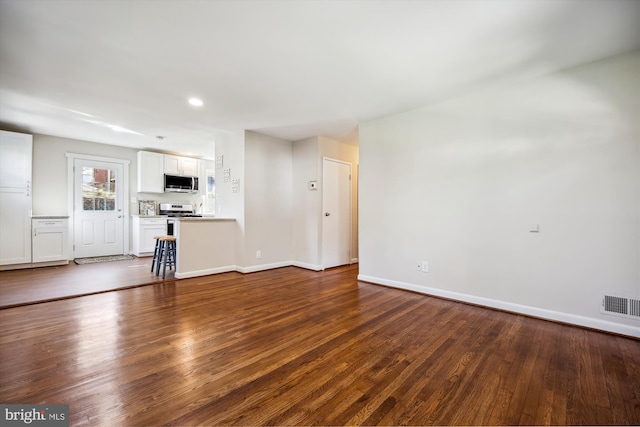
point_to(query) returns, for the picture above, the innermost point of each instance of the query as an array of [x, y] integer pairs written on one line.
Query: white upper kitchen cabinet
[[150, 172], [15, 160], [176, 165]]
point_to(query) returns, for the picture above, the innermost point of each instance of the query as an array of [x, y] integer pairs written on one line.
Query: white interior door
[[336, 203], [98, 208]]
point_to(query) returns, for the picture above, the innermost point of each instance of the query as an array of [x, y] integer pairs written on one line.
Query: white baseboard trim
[[262, 267], [313, 267], [206, 272], [354, 260], [245, 270], [603, 325]]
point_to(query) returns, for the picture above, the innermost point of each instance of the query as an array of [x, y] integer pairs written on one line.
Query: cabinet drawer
[[49, 223], [153, 221]]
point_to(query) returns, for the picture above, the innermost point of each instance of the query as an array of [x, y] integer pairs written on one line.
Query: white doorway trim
[[71, 158]]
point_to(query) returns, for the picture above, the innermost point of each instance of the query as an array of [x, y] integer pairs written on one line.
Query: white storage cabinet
[[176, 165], [144, 230], [150, 172], [50, 239], [15, 197]]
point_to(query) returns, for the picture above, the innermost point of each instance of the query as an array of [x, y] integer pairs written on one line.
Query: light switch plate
[[313, 185]]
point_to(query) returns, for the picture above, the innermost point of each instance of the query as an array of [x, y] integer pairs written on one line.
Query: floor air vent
[[620, 306]]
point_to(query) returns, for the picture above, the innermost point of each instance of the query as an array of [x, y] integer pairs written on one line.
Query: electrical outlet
[[425, 267], [258, 254]]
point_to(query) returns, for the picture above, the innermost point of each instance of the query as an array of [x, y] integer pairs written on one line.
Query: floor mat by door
[[95, 259]]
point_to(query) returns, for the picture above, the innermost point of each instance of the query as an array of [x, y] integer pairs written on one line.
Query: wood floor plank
[[26, 286], [297, 347]]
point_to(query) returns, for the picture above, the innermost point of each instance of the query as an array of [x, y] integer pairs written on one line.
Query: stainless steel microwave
[[180, 184]]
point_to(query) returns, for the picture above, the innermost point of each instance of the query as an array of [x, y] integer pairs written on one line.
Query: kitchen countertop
[[185, 218], [202, 218], [49, 216]]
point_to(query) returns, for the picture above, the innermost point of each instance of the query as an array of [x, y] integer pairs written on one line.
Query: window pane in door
[[98, 189]]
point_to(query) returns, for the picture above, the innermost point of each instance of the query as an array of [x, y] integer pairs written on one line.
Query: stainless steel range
[[177, 209], [173, 210]]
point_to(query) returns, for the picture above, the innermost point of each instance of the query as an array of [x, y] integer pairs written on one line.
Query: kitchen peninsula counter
[[205, 245], [201, 218]]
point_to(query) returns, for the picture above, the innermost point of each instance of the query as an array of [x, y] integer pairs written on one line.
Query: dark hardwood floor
[[33, 285], [296, 347]]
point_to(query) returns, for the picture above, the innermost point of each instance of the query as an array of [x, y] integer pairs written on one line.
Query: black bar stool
[[156, 252], [164, 254]]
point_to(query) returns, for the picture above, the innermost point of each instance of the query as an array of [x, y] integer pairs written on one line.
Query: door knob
[[327, 214]]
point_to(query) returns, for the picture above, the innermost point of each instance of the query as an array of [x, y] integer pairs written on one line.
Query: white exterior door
[[336, 204], [98, 208]]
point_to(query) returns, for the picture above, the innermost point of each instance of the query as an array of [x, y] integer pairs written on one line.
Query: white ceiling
[[290, 69]]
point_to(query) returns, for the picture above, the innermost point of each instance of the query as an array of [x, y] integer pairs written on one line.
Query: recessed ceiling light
[[196, 102]]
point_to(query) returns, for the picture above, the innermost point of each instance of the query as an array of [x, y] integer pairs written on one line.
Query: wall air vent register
[[620, 306]]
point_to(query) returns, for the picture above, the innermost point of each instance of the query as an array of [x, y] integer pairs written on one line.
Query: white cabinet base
[[49, 244], [144, 231], [50, 240], [15, 228]]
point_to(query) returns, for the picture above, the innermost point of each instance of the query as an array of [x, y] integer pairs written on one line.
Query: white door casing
[[336, 205], [99, 220]]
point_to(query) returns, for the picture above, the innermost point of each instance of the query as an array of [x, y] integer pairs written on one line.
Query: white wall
[[307, 204], [267, 200], [229, 204], [50, 170], [461, 184]]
